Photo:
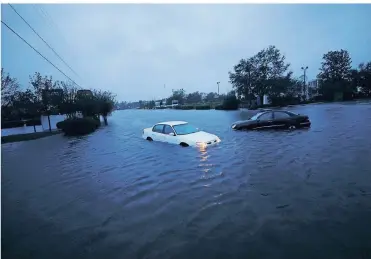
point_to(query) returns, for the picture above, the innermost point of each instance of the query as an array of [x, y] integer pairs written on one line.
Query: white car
[[180, 133]]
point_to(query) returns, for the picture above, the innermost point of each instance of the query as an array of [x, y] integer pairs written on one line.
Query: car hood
[[200, 136]]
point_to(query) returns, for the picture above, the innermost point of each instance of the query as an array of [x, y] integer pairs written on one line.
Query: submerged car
[[180, 133], [269, 119]]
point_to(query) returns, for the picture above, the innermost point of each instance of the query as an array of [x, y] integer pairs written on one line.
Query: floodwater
[[262, 194]]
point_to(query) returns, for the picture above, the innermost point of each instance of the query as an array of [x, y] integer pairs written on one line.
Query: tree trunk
[[105, 120], [50, 127]]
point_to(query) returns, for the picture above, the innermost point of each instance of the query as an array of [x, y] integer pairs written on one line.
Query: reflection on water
[[261, 194]]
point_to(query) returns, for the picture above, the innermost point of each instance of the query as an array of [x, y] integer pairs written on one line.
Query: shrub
[[184, 107], [230, 102], [12, 124], [78, 126], [203, 107], [59, 124]]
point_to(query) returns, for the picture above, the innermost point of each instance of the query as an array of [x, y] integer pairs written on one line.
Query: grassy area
[[28, 136]]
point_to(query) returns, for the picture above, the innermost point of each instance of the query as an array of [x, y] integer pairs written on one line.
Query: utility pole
[[305, 90], [218, 86], [46, 98]]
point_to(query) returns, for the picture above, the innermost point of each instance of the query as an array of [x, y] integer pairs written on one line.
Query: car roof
[[173, 123]]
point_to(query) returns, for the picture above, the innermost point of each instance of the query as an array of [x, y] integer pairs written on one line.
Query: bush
[[184, 107], [229, 103], [203, 107], [78, 126], [20, 123], [12, 124]]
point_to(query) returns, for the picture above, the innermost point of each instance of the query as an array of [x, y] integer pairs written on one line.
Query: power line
[[43, 40], [47, 17], [39, 53]]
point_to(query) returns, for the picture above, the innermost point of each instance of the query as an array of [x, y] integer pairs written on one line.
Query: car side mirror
[[171, 134]]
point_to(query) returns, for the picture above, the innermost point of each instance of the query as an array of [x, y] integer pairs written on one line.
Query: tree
[[195, 97], [68, 104], [152, 104], [230, 101], [241, 78], [27, 105], [177, 95], [335, 75], [9, 88], [105, 101], [41, 86], [364, 75], [210, 97], [260, 74]]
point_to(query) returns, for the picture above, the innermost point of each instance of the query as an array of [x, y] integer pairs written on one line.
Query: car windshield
[[184, 129]]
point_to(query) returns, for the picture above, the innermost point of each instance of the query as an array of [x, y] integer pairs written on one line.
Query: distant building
[[265, 100], [312, 89], [174, 103]]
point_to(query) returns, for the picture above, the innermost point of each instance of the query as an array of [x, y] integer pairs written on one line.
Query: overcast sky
[[134, 50]]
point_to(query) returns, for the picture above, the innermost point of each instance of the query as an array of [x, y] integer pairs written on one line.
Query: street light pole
[[218, 86], [305, 70]]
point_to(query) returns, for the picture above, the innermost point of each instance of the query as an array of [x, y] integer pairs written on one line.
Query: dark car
[[272, 119]]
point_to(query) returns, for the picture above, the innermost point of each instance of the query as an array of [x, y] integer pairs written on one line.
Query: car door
[[169, 135], [282, 120], [157, 132], [265, 121]]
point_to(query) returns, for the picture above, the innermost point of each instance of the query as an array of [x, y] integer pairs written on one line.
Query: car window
[[184, 129], [266, 116], [158, 128], [168, 129], [281, 115], [256, 116]]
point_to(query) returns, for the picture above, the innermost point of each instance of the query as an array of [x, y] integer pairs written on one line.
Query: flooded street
[[259, 194]]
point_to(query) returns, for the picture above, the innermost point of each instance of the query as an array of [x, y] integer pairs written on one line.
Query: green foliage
[[9, 87], [184, 107], [78, 126], [52, 97], [203, 107], [179, 95], [11, 124], [195, 97], [335, 75], [265, 73], [230, 102], [363, 78]]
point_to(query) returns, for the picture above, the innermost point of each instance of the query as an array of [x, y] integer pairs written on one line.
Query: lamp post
[[305, 70], [218, 86]]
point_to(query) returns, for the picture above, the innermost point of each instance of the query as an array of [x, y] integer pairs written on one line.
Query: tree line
[[46, 96], [268, 73], [194, 98]]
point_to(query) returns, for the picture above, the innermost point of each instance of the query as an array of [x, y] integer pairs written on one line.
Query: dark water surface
[[268, 194]]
